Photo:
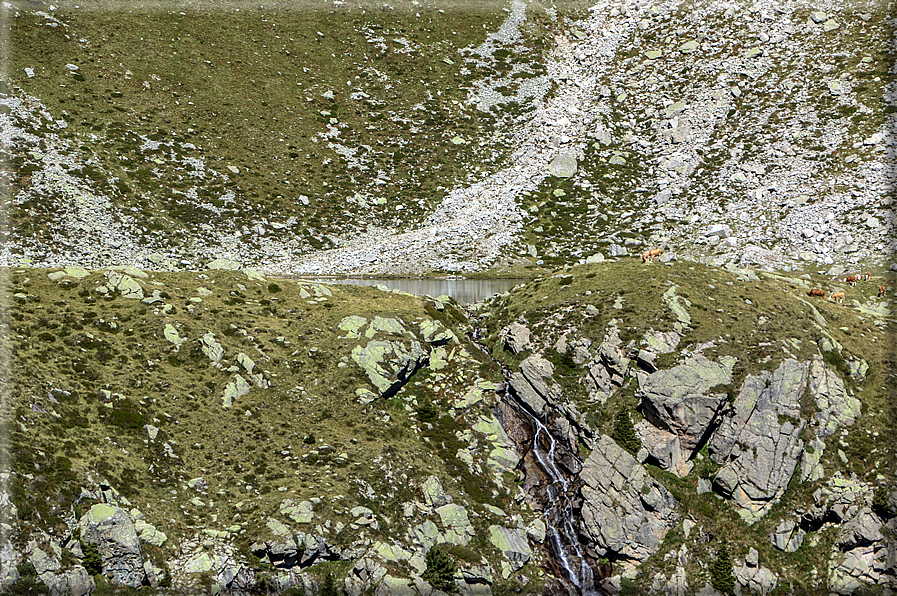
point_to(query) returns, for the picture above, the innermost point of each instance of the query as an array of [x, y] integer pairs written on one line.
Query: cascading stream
[[558, 512]]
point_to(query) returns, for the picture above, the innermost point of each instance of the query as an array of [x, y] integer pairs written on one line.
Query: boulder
[[389, 364], [624, 510], [563, 165], [433, 493], [71, 582], [679, 400], [759, 445], [864, 554], [126, 285], [113, 531], [788, 536], [664, 447], [753, 577], [516, 337], [512, 544], [610, 368]]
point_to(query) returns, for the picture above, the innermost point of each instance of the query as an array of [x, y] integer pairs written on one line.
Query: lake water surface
[[465, 291]]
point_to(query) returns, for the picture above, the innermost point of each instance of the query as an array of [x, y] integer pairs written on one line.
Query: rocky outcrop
[[862, 555], [113, 531], [534, 385], [608, 372], [754, 578], [624, 512], [681, 401], [759, 446]]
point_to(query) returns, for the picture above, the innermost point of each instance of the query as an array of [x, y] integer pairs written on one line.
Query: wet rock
[[113, 531], [624, 510], [759, 445], [680, 401]]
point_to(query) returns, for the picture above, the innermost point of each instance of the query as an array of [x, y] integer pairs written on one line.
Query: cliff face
[[192, 430]]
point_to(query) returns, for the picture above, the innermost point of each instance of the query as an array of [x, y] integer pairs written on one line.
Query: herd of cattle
[[851, 280], [651, 254]]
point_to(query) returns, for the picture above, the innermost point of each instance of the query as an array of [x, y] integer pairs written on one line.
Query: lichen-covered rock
[[211, 348], [126, 285], [624, 510], [435, 333], [664, 447], [759, 446], [512, 544], [680, 400], [389, 364], [433, 493], [458, 529], [113, 531]]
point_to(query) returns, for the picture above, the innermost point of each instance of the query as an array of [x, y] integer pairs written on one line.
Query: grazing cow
[[852, 280], [816, 293], [650, 255], [866, 276], [838, 297], [882, 290]]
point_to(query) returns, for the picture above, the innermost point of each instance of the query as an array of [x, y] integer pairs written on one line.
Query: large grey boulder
[[759, 446], [864, 554], [516, 337], [664, 447], [624, 510], [563, 165], [534, 385], [113, 531], [680, 400]]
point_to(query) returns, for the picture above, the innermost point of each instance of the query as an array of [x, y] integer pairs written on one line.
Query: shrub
[[624, 433], [328, 585], [721, 576], [441, 570], [92, 562]]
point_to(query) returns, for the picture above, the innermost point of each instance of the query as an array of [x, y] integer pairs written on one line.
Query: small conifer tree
[[624, 433], [328, 585], [721, 574], [441, 570]]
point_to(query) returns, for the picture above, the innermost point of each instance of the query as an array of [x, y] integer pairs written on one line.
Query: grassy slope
[[726, 309], [247, 89], [269, 446]]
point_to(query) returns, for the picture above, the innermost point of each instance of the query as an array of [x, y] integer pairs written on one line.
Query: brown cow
[[838, 297], [816, 293], [866, 276], [882, 290], [650, 255], [852, 280]]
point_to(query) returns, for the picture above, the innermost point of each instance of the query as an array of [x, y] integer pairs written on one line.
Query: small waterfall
[[560, 491]]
